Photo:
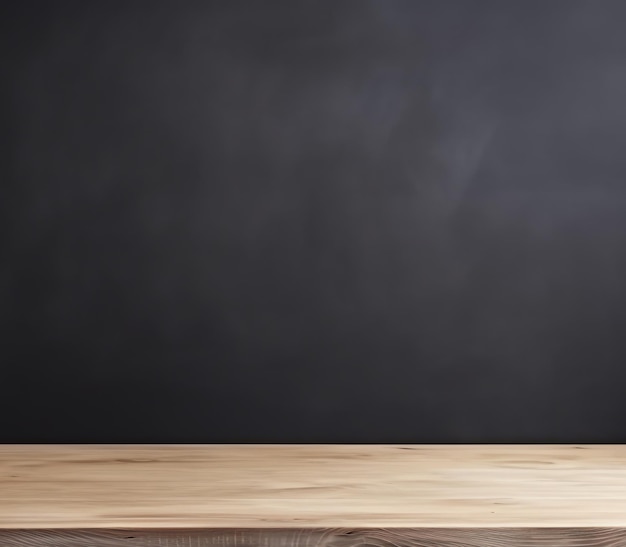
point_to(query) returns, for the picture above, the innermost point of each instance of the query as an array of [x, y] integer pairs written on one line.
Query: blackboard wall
[[313, 221]]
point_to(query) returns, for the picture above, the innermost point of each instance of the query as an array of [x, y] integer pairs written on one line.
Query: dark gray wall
[[313, 221]]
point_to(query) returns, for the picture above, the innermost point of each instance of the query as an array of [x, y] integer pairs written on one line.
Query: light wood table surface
[[312, 495]]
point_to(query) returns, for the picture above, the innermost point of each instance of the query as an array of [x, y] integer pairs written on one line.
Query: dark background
[[349, 221]]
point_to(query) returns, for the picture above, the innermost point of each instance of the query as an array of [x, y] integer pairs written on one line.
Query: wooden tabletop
[[317, 485], [215, 487]]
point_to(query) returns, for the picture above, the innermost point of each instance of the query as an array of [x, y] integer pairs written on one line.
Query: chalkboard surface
[[355, 221]]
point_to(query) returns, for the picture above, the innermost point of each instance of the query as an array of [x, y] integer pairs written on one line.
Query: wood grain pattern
[[306, 495], [423, 537]]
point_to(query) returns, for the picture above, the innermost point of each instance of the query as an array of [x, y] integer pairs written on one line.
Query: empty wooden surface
[[305, 495]]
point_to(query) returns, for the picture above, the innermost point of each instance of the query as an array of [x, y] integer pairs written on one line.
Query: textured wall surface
[[313, 221]]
